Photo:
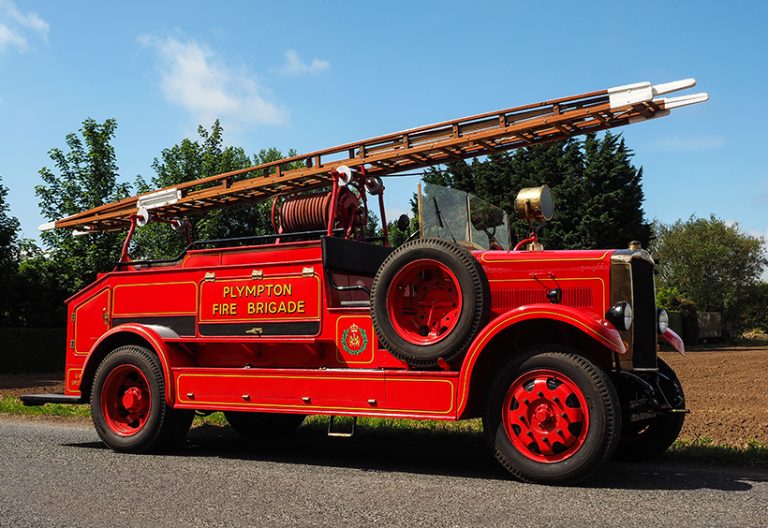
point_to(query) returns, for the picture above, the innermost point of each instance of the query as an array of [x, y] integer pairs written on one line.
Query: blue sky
[[308, 75]]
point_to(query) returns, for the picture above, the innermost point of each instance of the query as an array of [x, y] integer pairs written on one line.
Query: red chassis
[[310, 353]]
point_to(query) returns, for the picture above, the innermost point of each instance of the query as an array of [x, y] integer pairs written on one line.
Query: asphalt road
[[54, 474]]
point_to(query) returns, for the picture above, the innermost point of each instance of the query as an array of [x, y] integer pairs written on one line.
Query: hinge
[[257, 274], [72, 344], [308, 272], [74, 317], [210, 275]]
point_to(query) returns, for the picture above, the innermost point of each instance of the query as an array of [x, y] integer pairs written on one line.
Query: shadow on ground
[[445, 453]]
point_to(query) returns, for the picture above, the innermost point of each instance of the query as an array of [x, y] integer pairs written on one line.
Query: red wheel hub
[[126, 400], [424, 301], [545, 416]]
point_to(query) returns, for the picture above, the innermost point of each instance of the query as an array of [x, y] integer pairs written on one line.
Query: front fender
[[670, 337], [152, 334], [595, 327]]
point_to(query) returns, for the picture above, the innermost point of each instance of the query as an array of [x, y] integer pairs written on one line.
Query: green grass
[[697, 450], [10, 405], [707, 451]]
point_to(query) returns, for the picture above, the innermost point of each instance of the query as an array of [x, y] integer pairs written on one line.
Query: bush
[[32, 349]]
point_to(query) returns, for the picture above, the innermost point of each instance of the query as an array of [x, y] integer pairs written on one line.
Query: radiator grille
[[644, 305], [508, 298]]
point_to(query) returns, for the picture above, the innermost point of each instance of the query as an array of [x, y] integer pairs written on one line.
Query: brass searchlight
[[534, 203]]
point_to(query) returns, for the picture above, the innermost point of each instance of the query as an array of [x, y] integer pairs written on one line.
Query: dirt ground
[[726, 391]]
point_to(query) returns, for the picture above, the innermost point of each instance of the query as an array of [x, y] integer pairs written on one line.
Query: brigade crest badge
[[354, 340]]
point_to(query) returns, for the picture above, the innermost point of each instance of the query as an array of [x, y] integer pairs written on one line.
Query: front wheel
[[552, 417], [128, 404]]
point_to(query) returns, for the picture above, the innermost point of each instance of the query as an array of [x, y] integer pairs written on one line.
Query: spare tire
[[429, 300]]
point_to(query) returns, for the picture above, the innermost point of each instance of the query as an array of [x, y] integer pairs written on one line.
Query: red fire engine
[[556, 351]]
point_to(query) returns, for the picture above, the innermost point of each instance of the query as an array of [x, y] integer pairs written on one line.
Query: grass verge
[[705, 450], [696, 450], [11, 405]]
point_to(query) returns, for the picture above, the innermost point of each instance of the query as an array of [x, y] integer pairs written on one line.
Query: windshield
[[451, 214]]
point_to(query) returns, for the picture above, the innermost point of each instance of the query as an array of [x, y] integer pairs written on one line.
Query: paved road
[[55, 475]]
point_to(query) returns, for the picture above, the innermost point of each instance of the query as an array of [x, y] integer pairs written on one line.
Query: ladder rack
[[416, 148]]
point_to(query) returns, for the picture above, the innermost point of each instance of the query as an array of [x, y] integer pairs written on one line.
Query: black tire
[[649, 439], [400, 331], [556, 449], [256, 425], [148, 423]]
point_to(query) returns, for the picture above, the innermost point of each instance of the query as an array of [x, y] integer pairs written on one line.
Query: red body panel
[[259, 328]]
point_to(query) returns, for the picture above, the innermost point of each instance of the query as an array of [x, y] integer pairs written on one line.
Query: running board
[[33, 400]]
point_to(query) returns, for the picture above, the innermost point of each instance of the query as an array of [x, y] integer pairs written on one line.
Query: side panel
[[261, 304], [341, 391], [90, 320]]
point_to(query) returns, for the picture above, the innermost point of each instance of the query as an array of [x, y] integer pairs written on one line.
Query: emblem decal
[[354, 340]]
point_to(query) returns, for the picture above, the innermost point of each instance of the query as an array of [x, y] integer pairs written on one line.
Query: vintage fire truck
[[556, 351]]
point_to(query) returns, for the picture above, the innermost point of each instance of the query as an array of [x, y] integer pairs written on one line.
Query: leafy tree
[[713, 263], [9, 255], [86, 176], [612, 214], [40, 295], [754, 315], [597, 190], [192, 160]]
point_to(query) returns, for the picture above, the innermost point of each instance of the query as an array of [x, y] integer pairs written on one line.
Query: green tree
[[86, 176], [612, 214], [597, 190], [40, 294], [754, 315], [9, 257], [712, 263], [191, 160]]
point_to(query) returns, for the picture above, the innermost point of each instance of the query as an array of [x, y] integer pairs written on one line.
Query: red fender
[[596, 327], [155, 336], [672, 339]]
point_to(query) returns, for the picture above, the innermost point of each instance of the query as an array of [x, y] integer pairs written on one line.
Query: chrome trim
[[626, 255]]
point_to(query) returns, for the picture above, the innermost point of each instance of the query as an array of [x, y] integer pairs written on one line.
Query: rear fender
[[592, 326], [153, 336]]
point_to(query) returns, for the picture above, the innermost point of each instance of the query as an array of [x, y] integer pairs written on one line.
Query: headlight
[[620, 315], [662, 318]]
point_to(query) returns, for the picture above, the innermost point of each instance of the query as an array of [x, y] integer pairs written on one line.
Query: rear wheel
[[263, 424], [650, 438], [552, 417], [128, 404], [429, 300]]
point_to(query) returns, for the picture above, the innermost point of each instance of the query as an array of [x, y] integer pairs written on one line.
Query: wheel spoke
[[539, 418]]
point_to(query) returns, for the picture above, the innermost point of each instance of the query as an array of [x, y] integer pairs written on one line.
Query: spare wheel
[[429, 300]]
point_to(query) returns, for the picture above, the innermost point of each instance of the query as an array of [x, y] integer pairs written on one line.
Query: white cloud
[[295, 66], [15, 27], [9, 37], [687, 143], [195, 78]]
